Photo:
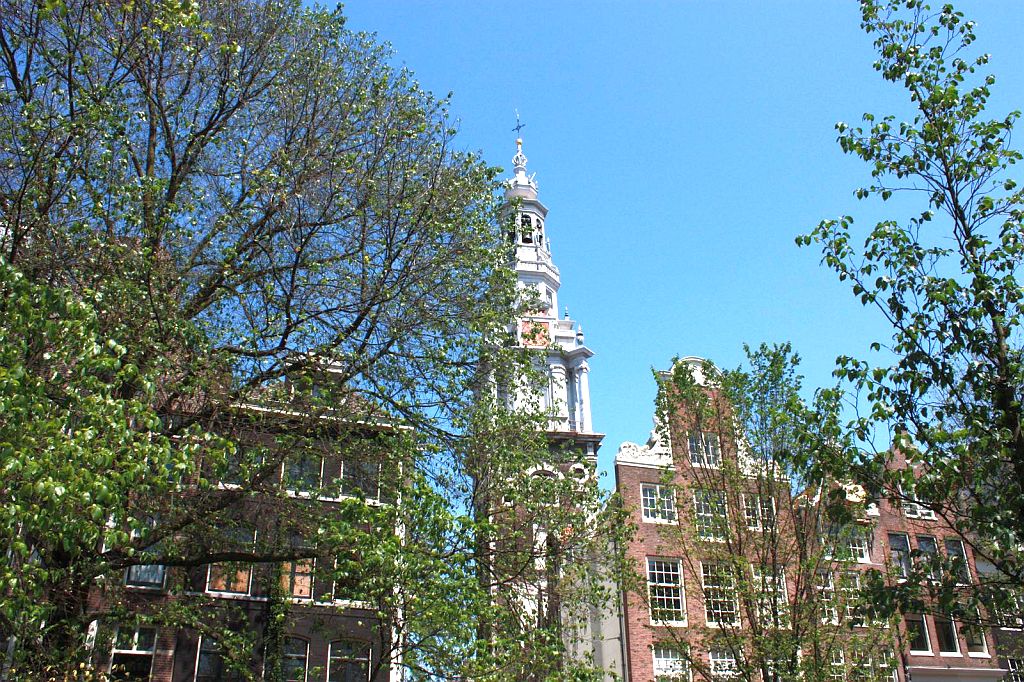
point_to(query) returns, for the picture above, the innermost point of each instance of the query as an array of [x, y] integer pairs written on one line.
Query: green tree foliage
[[763, 533], [244, 270], [945, 278]]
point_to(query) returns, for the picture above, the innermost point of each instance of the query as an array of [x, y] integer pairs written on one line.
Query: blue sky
[[680, 147]]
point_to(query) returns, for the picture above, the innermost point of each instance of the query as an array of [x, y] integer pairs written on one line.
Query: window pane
[[669, 664], [720, 603], [917, 634], [710, 514], [131, 666], [899, 553], [293, 665], [945, 632], [928, 550], [348, 661], [212, 666], [148, 575], [955, 551], [360, 479], [658, 502], [664, 582]]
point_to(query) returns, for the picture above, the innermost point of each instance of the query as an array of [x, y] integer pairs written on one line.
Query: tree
[[946, 281], [237, 242], [763, 532]]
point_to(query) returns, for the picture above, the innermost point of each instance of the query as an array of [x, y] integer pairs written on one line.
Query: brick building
[[701, 585], [311, 613]]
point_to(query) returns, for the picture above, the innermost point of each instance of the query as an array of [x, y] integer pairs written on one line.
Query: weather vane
[[519, 124]]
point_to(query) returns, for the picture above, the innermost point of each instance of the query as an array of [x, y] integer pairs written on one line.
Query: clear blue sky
[[680, 147]]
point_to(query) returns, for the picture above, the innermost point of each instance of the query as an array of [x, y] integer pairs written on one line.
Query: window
[[297, 575], [859, 545], [659, 503], [848, 543], [150, 576], [293, 660], [826, 597], [132, 656], [722, 664], [772, 597], [974, 635], [233, 577], [853, 607], [361, 479], [928, 552], [759, 511], [945, 633], [705, 449], [917, 635], [670, 664], [1016, 667], [868, 667], [302, 472], [899, 553], [348, 661], [710, 514], [665, 585], [1009, 614], [213, 666], [956, 553], [721, 607], [837, 665], [914, 509]]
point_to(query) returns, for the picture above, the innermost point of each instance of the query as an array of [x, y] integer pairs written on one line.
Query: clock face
[[535, 334]]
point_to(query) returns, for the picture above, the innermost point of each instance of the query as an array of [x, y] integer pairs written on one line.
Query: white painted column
[[584, 383]]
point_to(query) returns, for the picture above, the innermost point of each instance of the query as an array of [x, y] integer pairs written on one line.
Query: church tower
[[567, 394]]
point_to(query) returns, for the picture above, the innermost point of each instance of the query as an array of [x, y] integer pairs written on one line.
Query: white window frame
[[318, 487], [664, 503], [1016, 669], [956, 636], [658, 567], [849, 585], [859, 546], [837, 661], [825, 585], [722, 664], [927, 635], [720, 593], [906, 564], [231, 593], [755, 513], [367, 648], [914, 509], [669, 664], [926, 556], [710, 526], [704, 449], [773, 581], [980, 631], [135, 650], [960, 579], [305, 657]]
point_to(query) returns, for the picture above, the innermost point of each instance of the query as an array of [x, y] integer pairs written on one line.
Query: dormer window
[[526, 229]]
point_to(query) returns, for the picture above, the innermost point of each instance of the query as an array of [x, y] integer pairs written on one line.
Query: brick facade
[[658, 463]]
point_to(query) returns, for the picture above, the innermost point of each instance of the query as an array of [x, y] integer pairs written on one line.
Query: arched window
[[348, 661], [293, 659]]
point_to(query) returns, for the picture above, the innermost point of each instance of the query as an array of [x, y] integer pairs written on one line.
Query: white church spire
[[567, 395]]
